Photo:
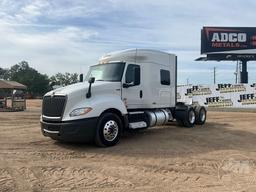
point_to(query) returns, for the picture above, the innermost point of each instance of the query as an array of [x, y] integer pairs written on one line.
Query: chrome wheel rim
[[110, 130], [192, 117]]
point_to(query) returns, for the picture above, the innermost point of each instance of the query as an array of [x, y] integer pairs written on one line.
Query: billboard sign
[[228, 40]]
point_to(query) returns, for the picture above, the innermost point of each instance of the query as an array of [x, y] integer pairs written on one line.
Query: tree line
[[37, 84]]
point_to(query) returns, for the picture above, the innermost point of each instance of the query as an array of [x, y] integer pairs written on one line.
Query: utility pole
[[236, 72], [214, 75], [187, 81]]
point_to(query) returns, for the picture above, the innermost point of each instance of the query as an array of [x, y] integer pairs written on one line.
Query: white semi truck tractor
[[130, 89]]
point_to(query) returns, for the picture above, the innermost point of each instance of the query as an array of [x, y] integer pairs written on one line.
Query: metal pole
[[244, 73], [236, 73], [214, 75]]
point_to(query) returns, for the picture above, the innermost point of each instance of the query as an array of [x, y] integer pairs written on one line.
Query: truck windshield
[[106, 72]]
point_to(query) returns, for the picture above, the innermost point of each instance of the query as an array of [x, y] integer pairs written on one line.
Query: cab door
[[132, 94]]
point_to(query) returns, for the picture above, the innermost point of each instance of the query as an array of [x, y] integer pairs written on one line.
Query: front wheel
[[108, 130]]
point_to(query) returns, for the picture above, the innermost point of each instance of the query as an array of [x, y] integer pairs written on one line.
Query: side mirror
[[91, 80], [126, 85], [81, 77]]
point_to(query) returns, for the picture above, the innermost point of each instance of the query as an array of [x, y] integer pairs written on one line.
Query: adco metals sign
[[228, 40]]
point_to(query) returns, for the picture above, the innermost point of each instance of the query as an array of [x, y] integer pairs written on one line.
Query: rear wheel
[[190, 118], [200, 115], [186, 116], [108, 130], [180, 122]]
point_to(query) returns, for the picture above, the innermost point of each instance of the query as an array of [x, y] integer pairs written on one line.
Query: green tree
[[64, 79], [37, 83], [3, 73]]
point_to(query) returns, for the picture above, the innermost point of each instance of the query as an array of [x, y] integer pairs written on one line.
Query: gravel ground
[[219, 156]]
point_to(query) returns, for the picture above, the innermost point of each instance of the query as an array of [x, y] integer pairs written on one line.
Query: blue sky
[[68, 36]]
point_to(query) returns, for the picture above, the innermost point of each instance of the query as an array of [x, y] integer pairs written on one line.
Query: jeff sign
[[232, 40]]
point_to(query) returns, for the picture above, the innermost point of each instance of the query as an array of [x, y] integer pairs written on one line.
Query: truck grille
[[53, 106]]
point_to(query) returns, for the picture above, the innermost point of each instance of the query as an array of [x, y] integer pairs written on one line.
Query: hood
[[83, 87]]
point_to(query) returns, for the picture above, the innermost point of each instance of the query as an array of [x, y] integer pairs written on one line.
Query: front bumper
[[71, 131]]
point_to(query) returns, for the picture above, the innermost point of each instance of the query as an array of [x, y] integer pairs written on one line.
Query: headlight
[[80, 111]]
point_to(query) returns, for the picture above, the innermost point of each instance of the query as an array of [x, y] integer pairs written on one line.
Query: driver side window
[[132, 74]]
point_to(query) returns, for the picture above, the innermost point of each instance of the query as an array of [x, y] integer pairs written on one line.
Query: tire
[[201, 114], [54, 139], [109, 130], [183, 116], [180, 122], [190, 118]]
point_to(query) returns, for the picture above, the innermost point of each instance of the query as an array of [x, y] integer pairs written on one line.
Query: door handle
[[141, 94]]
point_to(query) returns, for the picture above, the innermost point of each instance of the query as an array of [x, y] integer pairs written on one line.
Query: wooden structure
[[12, 96]]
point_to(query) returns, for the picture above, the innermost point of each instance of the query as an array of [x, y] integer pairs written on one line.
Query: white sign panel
[[219, 95]]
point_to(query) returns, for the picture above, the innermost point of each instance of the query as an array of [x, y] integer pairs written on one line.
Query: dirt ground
[[219, 156]]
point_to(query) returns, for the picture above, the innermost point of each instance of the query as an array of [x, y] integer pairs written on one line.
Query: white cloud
[[35, 8], [76, 9], [16, 12], [61, 50], [63, 35]]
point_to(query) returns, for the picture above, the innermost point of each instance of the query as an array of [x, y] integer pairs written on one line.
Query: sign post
[[244, 73]]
